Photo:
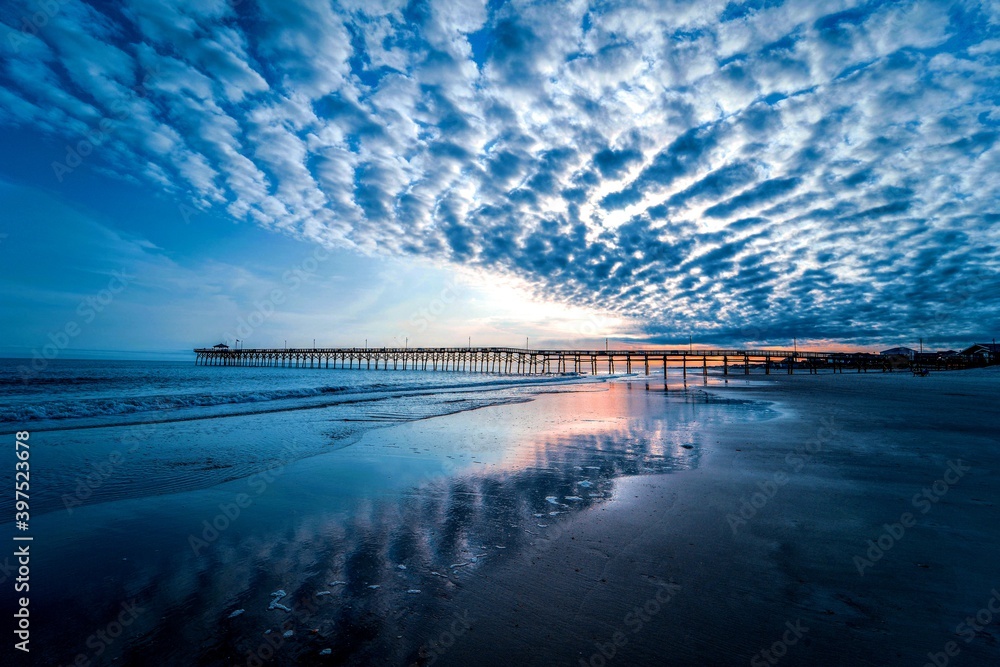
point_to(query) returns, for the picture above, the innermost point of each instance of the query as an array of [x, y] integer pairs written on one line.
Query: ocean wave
[[125, 405], [46, 381]]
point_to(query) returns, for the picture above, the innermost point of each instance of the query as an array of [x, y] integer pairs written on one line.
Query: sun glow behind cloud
[[515, 309]]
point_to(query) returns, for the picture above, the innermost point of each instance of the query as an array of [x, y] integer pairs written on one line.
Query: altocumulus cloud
[[748, 170]]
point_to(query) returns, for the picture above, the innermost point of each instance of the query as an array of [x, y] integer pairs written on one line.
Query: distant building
[[221, 346], [982, 353], [899, 352]]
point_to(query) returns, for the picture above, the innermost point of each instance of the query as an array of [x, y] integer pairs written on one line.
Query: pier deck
[[523, 361]]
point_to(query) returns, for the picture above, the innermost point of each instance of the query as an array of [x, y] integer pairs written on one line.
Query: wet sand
[[599, 524], [670, 572]]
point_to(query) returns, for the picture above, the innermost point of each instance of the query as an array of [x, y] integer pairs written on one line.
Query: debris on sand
[[277, 595]]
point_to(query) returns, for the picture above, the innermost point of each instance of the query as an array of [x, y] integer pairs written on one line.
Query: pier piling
[[520, 361]]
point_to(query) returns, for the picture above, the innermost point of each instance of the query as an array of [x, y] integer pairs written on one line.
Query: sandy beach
[[856, 526], [805, 520]]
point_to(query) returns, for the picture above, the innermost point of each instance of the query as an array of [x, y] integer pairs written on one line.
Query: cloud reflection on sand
[[444, 529]]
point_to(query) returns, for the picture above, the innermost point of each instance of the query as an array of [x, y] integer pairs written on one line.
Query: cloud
[[759, 194], [720, 166]]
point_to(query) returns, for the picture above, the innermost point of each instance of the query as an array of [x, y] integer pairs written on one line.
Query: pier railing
[[523, 361]]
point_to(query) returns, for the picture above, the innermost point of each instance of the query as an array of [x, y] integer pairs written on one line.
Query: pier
[[523, 361]]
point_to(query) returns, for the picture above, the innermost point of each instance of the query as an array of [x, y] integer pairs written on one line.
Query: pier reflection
[[369, 578]]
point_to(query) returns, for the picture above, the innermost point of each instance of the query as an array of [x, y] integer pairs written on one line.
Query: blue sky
[[175, 173]]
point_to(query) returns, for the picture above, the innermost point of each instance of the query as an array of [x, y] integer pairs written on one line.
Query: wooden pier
[[522, 361]]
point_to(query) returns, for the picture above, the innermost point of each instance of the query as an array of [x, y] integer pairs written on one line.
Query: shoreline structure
[[526, 361]]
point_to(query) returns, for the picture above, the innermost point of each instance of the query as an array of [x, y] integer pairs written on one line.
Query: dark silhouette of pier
[[523, 361]]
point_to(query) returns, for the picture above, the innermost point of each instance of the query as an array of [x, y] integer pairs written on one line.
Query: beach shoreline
[[600, 523]]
